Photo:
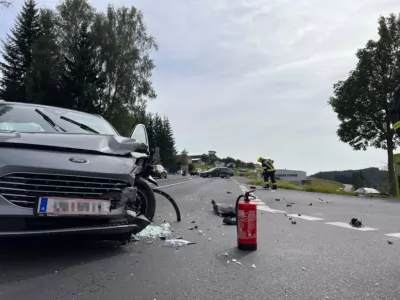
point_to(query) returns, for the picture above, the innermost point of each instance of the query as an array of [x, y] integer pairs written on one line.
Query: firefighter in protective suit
[[269, 172]]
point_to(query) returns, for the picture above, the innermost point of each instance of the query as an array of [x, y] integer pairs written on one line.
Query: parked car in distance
[[366, 192], [222, 172], [159, 172], [195, 172]]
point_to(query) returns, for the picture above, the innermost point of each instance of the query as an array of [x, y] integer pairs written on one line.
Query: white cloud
[[250, 78]]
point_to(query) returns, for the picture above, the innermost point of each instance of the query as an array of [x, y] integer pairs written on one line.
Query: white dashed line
[[396, 235], [346, 225], [182, 182], [268, 209], [309, 218]]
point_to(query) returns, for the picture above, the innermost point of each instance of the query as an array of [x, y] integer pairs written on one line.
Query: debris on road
[[310, 204], [193, 222], [303, 268], [191, 228], [209, 239], [175, 243], [299, 215], [277, 199], [290, 219], [163, 238], [253, 266], [288, 205], [195, 227], [355, 222], [285, 215], [228, 262], [200, 231], [294, 222], [229, 221], [253, 187], [226, 254], [390, 242], [234, 260], [323, 201], [152, 231], [228, 192], [223, 210]]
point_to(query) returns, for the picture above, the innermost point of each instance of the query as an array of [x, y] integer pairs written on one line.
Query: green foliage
[[75, 57], [369, 177], [17, 82], [362, 100], [191, 167], [182, 159]]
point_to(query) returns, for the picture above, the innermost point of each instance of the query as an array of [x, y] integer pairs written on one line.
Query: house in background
[[195, 159]]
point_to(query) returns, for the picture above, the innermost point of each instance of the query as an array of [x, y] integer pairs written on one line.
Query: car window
[[24, 118]]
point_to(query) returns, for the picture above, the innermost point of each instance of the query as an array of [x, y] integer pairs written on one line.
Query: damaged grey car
[[67, 172]]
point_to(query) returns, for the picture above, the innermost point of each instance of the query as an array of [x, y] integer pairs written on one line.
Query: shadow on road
[[26, 258]]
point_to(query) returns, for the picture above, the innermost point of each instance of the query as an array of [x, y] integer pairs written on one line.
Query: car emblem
[[78, 160]]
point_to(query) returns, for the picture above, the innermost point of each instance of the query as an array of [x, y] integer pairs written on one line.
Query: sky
[[250, 78]]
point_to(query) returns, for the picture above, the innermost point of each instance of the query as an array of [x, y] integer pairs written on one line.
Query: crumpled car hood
[[107, 144]]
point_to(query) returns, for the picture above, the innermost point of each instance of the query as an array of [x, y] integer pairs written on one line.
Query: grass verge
[[316, 185]]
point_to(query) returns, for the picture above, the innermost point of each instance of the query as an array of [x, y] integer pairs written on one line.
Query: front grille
[[23, 189]]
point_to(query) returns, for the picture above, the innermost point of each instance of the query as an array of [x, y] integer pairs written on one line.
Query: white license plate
[[73, 206]]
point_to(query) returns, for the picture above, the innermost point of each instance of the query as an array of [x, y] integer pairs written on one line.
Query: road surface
[[320, 257]]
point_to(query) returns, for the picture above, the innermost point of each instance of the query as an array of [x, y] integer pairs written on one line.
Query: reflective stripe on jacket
[[268, 165]]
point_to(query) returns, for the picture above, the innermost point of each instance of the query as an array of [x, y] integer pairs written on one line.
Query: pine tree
[[47, 62], [169, 150], [17, 82], [150, 130]]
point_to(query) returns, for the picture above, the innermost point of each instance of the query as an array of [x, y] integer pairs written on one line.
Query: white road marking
[[396, 235], [164, 186], [309, 218], [268, 209], [346, 225], [235, 181]]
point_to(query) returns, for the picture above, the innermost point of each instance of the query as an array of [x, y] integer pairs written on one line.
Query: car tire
[[149, 196]]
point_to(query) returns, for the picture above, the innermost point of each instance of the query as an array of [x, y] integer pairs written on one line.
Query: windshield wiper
[[49, 120], [81, 125]]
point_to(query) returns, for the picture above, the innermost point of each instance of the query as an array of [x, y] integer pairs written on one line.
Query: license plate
[[73, 206]]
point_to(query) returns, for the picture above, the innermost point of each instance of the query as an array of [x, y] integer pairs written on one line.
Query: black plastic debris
[[294, 222], [193, 222], [310, 204], [288, 205], [390, 242], [191, 228], [290, 219], [299, 215], [229, 221], [355, 222], [223, 210], [195, 227], [163, 238], [228, 192], [277, 199], [285, 215]]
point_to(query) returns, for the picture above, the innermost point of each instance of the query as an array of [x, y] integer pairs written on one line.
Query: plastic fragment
[[175, 243], [238, 263], [226, 254], [253, 266], [303, 268], [234, 260], [294, 222], [228, 262], [200, 232], [209, 239]]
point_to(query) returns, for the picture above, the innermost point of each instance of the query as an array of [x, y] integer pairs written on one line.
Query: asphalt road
[[318, 258]]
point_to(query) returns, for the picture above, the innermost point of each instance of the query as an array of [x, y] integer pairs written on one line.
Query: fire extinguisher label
[[247, 226]]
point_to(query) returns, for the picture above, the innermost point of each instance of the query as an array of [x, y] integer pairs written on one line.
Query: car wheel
[[146, 201], [166, 176]]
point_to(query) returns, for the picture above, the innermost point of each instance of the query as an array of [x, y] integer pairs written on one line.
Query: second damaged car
[[64, 171]]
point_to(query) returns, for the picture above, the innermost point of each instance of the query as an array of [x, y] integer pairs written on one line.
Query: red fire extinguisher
[[246, 216]]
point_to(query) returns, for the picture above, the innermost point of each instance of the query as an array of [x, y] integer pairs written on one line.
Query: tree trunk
[[392, 181]]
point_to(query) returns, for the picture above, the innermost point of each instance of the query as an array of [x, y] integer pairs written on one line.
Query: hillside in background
[[370, 177]]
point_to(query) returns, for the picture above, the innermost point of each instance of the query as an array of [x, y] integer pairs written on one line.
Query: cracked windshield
[[182, 150]]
